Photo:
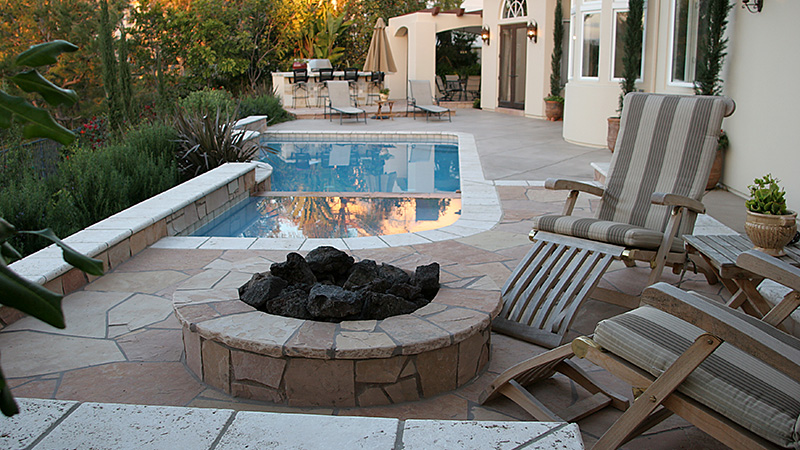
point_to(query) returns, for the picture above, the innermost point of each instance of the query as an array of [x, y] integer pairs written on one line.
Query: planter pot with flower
[[769, 225], [384, 94], [554, 107]]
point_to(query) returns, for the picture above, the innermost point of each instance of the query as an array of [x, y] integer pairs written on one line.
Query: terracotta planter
[[384, 97], [716, 170], [770, 233], [613, 131], [554, 110]]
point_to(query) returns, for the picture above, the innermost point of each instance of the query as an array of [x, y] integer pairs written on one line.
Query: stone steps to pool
[[55, 424]]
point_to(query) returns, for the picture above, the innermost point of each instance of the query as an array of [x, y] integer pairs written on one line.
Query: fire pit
[[248, 353]]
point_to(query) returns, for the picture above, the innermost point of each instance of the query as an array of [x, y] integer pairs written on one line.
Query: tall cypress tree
[[109, 60], [125, 76], [555, 61], [713, 45], [632, 44]]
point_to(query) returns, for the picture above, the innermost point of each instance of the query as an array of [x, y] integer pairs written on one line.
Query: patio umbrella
[[379, 56]]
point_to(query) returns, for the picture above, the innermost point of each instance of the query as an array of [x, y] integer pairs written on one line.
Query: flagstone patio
[[124, 345]]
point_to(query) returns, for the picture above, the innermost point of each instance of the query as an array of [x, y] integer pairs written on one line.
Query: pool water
[[363, 167], [332, 217]]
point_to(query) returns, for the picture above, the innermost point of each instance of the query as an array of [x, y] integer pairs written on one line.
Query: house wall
[[537, 69], [763, 66]]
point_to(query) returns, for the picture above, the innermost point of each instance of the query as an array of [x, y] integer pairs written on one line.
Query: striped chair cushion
[[731, 382], [666, 143], [604, 231]]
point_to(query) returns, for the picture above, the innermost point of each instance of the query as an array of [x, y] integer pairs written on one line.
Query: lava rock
[[328, 263], [427, 279], [395, 275], [361, 274], [405, 290], [327, 301], [261, 288], [380, 306], [294, 270], [379, 285], [291, 302]]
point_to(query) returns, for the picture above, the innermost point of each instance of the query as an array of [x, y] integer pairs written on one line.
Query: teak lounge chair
[[339, 101], [420, 98], [656, 179], [733, 376]]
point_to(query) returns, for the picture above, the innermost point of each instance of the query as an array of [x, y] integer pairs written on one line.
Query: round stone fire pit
[[252, 354]]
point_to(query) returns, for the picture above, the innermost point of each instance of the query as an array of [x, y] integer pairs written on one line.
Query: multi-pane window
[[689, 26], [515, 8], [590, 52]]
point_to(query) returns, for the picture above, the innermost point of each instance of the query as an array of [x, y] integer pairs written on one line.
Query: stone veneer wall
[[116, 239], [251, 354]]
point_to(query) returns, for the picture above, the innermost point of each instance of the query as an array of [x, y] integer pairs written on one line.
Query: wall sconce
[[485, 35], [533, 31], [754, 6]]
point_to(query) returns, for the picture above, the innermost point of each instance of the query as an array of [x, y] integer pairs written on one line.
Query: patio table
[[720, 252]]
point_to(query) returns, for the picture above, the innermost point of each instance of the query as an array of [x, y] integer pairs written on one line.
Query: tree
[[125, 82], [555, 58], [632, 48], [712, 45], [105, 40]]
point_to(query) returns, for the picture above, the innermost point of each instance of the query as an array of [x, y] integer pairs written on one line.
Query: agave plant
[[208, 141]]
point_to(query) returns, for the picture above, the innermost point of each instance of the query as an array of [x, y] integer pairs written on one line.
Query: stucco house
[[758, 72]]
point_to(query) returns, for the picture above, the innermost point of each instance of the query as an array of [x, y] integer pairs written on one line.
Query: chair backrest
[[351, 74], [376, 77], [420, 91], [440, 86], [474, 83], [300, 76], [339, 94], [451, 78], [666, 143], [325, 75]]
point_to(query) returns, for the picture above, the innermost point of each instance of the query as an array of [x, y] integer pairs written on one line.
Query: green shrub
[[207, 101], [264, 105], [766, 196]]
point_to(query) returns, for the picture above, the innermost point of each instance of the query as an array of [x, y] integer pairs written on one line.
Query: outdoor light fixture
[[754, 6], [485, 35], [533, 31]]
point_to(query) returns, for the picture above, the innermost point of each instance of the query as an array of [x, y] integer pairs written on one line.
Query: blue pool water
[[363, 167], [337, 190]]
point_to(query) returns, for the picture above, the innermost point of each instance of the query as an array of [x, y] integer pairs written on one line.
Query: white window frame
[[619, 7], [573, 37], [513, 19], [691, 42], [584, 13]]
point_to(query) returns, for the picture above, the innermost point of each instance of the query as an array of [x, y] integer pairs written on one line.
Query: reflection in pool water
[[332, 217], [363, 167]]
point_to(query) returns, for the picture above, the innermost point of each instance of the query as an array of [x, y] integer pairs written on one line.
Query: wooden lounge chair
[[420, 98], [657, 177], [733, 376], [339, 101]]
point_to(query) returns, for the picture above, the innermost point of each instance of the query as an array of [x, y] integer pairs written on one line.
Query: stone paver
[[421, 435], [36, 417], [140, 366]]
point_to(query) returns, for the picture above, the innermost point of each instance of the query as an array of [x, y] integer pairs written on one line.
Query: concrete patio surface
[[122, 343]]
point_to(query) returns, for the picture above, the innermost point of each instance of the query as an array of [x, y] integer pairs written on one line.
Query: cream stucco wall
[[537, 59], [763, 69]]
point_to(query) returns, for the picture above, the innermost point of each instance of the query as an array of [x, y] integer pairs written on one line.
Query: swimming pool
[[346, 188], [363, 166]]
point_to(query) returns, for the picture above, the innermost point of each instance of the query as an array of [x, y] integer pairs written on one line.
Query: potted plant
[[769, 225], [631, 63], [708, 81], [554, 103], [384, 94]]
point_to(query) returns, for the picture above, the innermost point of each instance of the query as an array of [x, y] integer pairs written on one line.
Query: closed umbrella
[[379, 56]]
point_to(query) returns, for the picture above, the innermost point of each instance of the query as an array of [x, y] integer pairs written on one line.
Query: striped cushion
[[604, 231], [666, 143], [731, 382]]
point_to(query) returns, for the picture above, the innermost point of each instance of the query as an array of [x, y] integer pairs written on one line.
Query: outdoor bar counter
[[282, 83]]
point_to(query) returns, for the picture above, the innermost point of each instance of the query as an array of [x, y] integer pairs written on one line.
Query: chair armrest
[[747, 333], [662, 198], [770, 267], [573, 185]]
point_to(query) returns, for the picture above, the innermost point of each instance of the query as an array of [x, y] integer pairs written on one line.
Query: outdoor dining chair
[[731, 375], [340, 101], [299, 86], [374, 86], [351, 76], [321, 91], [420, 98], [473, 87]]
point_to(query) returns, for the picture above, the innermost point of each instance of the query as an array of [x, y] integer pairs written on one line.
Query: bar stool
[[320, 88], [375, 85], [351, 76], [299, 83]]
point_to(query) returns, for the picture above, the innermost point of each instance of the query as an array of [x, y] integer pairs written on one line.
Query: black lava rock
[[327, 301], [295, 270], [361, 274], [380, 306], [260, 289], [427, 279], [291, 302], [328, 263]]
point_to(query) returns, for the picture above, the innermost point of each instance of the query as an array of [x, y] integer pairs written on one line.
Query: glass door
[[512, 66]]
